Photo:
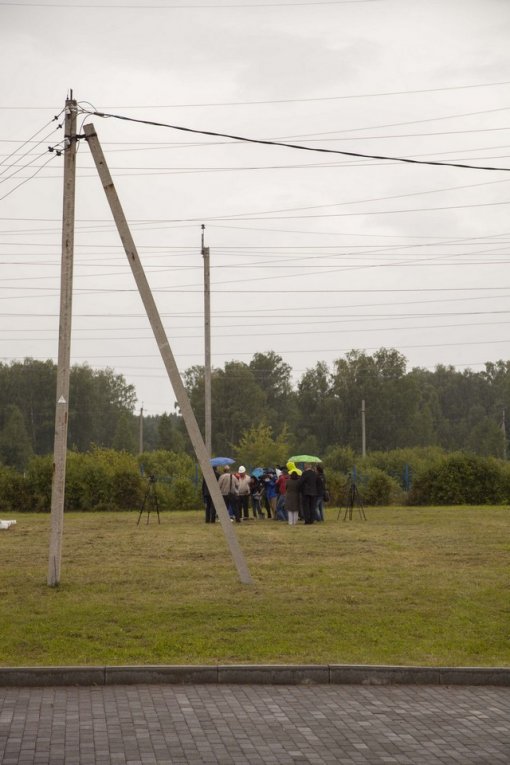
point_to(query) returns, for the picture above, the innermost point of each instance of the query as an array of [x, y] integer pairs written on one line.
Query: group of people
[[282, 494]]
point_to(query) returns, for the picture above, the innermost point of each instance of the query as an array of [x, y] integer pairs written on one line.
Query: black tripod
[[352, 499], [151, 500]]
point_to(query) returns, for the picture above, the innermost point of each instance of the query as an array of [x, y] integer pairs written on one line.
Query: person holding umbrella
[[216, 462], [309, 490], [256, 493]]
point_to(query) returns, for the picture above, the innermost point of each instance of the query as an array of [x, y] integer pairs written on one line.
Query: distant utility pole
[[503, 429], [363, 431], [207, 341], [64, 346], [140, 442], [172, 369]]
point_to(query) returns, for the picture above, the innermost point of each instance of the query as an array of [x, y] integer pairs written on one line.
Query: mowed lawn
[[408, 586]]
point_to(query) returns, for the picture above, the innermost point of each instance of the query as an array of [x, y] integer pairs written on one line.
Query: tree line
[[450, 409], [259, 402]]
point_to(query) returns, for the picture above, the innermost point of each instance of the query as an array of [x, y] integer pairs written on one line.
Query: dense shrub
[[184, 495], [378, 488], [374, 486], [103, 480], [404, 463], [13, 493], [99, 480], [339, 458], [177, 480], [127, 490], [336, 483], [462, 479], [37, 484], [166, 466]]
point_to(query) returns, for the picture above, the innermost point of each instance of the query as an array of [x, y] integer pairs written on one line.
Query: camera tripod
[[352, 499], [150, 500]]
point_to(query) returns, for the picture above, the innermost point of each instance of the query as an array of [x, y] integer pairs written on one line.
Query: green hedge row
[[103, 479], [436, 477]]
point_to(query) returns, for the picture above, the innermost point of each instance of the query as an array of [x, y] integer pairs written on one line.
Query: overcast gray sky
[[312, 254]]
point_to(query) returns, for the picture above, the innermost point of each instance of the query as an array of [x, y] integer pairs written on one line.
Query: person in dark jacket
[[321, 490], [256, 496], [210, 512], [309, 489]]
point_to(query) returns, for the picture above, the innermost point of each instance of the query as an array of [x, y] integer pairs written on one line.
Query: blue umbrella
[[217, 461], [258, 472]]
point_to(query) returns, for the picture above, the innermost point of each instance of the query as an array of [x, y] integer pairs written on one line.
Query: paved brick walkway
[[249, 725]]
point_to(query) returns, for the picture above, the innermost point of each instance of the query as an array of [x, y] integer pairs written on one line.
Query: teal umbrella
[[304, 458]]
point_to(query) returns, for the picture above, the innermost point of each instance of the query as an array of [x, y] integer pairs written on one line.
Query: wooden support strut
[[166, 353]]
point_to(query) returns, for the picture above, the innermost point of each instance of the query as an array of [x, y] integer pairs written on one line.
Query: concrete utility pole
[[166, 353], [140, 433], [363, 431], [64, 346], [207, 342], [503, 430]]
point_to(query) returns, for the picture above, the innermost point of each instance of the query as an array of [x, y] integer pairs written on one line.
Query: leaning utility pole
[[166, 352], [207, 340], [64, 346]]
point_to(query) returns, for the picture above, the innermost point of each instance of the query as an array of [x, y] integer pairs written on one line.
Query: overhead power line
[[187, 6], [264, 142], [278, 100], [29, 178]]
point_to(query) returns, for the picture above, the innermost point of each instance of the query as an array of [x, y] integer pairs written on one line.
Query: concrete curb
[[251, 674]]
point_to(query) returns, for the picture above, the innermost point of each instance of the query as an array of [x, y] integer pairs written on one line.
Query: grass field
[[426, 586]]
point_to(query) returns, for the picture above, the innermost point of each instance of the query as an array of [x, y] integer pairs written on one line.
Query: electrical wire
[[400, 124], [22, 183], [307, 100], [281, 100], [263, 142], [248, 335], [23, 167], [192, 6], [30, 140], [300, 350]]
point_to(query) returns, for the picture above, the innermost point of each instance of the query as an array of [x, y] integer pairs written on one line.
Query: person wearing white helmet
[[244, 490]]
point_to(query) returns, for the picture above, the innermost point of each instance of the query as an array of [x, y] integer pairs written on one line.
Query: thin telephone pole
[[207, 342], [363, 431], [64, 346], [503, 430], [166, 352], [140, 432]]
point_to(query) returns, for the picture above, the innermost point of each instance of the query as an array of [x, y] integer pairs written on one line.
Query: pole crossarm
[[181, 395]]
